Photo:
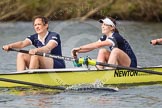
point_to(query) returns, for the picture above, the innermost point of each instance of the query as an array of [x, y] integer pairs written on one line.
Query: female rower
[[44, 41], [119, 52]]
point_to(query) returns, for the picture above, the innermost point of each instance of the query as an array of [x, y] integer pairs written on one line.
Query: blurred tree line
[[25, 10]]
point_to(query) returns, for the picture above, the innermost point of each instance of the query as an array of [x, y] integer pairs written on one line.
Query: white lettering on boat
[[125, 73]]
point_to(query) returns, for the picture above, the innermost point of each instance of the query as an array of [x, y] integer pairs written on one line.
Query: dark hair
[[114, 21], [44, 19]]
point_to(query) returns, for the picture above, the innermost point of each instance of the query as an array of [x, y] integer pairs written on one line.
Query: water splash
[[96, 86]]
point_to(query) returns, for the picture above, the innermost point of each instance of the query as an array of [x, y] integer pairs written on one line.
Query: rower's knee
[[115, 51], [21, 55], [102, 51], [35, 57]]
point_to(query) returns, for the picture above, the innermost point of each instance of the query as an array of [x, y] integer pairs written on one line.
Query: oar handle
[[32, 84], [25, 51], [19, 50]]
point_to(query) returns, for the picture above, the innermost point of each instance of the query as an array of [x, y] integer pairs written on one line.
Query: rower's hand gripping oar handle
[[44, 54], [48, 55], [18, 50], [157, 43], [27, 52]]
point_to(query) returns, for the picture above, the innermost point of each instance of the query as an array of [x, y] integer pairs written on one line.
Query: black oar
[[111, 89], [94, 63], [129, 68], [90, 62], [32, 84], [44, 54]]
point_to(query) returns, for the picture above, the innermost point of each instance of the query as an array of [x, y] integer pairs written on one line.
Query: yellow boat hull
[[65, 77]]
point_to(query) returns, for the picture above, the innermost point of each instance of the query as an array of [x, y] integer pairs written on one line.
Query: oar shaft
[[44, 54], [129, 68], [32, 84], [18, 50], [90, 62], [93, 63]]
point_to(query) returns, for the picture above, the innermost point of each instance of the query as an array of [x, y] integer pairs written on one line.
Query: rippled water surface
[[74, 34]]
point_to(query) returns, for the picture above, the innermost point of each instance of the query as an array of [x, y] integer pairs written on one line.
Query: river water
[[73, 34]]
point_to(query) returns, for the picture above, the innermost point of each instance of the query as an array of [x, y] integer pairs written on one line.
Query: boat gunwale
[[67, 70], [43, 71]]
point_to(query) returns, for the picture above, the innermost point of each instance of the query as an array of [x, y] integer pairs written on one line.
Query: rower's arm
[[19, 44], [94, 45], [47, 48]]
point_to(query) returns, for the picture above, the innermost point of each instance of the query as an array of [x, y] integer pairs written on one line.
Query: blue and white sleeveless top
[[50, 36], [119, 42]]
